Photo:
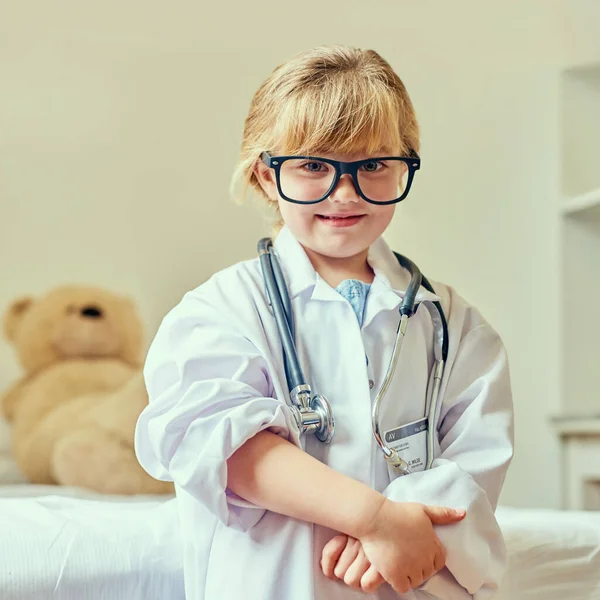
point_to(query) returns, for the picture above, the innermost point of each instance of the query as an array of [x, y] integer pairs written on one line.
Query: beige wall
[[120, 123]]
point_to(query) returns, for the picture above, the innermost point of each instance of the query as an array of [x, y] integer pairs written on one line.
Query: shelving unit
[[579, 210], [579, 214]]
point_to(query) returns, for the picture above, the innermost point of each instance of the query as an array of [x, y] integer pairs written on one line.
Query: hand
[[400, 542], [344, 558]]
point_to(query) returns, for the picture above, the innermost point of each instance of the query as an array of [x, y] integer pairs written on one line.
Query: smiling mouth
[[340, 221], [340, 217]]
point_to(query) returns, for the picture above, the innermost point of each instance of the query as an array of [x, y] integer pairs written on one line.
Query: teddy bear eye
[[91, 311]]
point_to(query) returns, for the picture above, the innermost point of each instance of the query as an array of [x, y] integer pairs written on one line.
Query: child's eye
[[372, 166], [313, 166]]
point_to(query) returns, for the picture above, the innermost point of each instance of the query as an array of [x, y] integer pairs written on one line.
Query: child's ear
[[266, 179], [13, 316]]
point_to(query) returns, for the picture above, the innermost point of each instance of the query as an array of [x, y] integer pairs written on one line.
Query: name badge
[[410, 442]]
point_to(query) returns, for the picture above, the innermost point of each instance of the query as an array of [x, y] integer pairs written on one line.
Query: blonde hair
[[329, 99]]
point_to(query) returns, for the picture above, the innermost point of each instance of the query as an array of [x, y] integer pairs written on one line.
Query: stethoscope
[[313, 413]]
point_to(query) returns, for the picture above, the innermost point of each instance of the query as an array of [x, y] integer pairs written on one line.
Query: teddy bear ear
[[13, 316]]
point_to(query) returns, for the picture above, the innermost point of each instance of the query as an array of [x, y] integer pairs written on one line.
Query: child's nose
[[345, 191]]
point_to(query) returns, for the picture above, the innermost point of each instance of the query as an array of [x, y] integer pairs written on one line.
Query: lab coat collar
[[388, 288], [297, 268], [390, 274], [390, 283]]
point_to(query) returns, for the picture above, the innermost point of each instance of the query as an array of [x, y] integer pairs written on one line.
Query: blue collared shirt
[[355, 292]]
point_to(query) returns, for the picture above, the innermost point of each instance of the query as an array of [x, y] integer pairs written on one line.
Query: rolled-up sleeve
[[209, 392], [476, 447]]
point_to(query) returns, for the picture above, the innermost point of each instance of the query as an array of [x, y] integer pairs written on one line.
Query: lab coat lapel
[[297, 269], [293, 260], [390, 283]]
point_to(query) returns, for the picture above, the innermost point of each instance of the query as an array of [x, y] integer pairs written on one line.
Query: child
[[267, 514]]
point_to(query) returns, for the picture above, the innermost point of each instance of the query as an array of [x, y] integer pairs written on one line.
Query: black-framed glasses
[[311, 179]]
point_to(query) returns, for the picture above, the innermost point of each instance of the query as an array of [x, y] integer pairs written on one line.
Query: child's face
[[341, 226]]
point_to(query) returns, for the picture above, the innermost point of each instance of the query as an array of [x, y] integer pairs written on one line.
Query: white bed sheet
[[553, 555], [68, 544], [81, 546]]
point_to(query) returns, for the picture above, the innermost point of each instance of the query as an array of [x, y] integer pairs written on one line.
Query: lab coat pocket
[[410, 442]]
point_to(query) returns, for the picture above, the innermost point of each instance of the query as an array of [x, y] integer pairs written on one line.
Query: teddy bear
[[74, 411]]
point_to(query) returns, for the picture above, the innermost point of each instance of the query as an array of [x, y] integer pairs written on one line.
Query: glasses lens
[[383, 180], [305, 179]]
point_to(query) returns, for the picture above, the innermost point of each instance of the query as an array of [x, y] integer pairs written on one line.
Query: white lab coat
[[215, 378]]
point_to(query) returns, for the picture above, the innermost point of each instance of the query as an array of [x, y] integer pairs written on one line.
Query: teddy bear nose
[[93, 312]]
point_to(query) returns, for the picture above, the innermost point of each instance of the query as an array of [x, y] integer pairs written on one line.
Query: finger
[[427, 573], [401, 585], [371, 580], [439, 562], [415, 581], [347, 557], [442, 515], [331, 554], [356, 570]]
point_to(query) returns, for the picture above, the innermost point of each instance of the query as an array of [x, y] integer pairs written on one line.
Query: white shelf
[[581, 203], [577, 425]]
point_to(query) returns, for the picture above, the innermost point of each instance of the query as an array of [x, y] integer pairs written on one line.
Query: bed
[[66, 544], [553, 555]]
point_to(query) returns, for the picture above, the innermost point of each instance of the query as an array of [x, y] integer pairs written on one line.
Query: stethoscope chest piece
[[321, 406], [313, 414]]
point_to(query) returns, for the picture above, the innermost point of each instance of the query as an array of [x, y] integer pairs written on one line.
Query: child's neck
[[336, 270]]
